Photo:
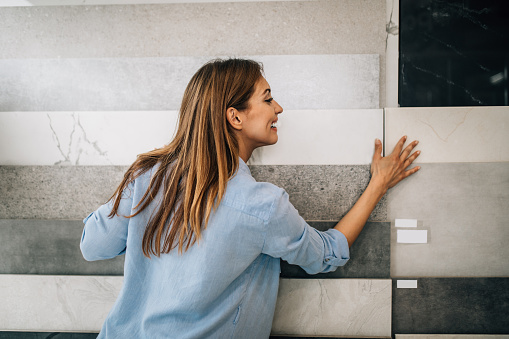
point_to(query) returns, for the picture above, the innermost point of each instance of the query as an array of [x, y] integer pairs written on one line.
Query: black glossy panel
[[452, 306], [453, 53], [369, 255]]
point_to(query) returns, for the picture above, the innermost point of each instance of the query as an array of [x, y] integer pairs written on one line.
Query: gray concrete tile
[[369, 255], [464, 208], [50, 247]]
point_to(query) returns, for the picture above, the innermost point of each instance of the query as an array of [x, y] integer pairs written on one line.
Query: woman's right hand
[[391, 169]]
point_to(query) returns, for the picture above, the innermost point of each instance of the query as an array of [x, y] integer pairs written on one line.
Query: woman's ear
[[234, 118]]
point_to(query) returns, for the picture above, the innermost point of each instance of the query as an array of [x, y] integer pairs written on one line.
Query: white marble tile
[[81, 138], [326, 137], [143, 84], [451, 134], [56, 303], [333, 307], [115, 138]]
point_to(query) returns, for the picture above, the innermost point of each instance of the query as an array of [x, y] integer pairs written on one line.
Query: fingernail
[[418, 152], [377, 141], [416, 142]]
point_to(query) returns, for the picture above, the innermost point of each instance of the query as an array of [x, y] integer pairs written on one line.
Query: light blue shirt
[[224, 286]]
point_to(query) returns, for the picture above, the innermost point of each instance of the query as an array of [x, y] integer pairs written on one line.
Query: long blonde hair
[[197, 164]]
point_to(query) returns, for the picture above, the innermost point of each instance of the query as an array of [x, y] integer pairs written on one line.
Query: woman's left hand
[[390, 170]]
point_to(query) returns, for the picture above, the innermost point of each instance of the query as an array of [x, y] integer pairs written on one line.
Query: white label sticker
[[412, 237], [406, 223], [407, 283]]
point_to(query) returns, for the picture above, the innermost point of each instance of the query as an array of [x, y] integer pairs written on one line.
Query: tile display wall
[[76, 108], [85, 104]]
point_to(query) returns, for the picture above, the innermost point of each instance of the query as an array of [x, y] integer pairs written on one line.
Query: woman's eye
[[269, 100]]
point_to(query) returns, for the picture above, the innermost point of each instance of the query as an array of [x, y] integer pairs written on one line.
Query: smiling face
[[256, 124]]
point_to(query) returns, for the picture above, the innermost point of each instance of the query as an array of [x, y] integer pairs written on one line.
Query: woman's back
[[223, 286]]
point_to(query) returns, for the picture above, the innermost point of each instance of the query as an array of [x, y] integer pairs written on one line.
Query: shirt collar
[[243, 167]]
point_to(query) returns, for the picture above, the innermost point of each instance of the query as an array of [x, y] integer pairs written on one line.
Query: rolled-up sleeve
[[290, 238], [104, 237]]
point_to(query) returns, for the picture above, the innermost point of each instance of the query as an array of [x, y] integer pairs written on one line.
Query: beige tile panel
[[333, 307], [451, 134], [352, 307], [56, 303]]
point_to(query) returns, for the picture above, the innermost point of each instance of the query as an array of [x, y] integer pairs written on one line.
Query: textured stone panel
[[452, 306], [50, 247], [297, 27], [55, 192], [158, 83], [369, 255], [333, 307], [464, 208], [56, 303], [321, 192], [72, 192], [451, 134]]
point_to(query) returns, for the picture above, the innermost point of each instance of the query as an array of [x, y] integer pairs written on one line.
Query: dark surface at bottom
[[452, 306]]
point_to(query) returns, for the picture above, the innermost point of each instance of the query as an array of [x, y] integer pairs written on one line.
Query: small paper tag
[[412, 237], [406, 284], [406, 223]]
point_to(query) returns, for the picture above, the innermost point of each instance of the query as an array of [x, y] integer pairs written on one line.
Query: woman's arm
[[386, 172]]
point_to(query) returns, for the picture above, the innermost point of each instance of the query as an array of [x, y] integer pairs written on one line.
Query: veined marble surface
[[158, 83], [318, 137], [56, 303], [451, 134], [82, 138], [333, 307]]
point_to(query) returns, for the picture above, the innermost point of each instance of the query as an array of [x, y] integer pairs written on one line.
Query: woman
[[202, 239]]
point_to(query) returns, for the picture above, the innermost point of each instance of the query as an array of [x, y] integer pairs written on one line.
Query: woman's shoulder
[[256, 198]]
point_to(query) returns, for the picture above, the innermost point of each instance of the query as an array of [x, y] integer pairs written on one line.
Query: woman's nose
[[279, 109]]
